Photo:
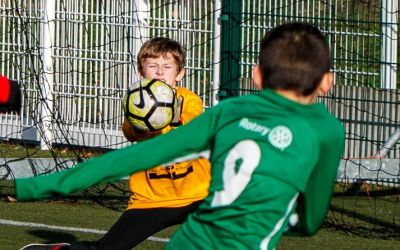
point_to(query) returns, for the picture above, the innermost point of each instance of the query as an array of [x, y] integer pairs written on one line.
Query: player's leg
[[136, 225]]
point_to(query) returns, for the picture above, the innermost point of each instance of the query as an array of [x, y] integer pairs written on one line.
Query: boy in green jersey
[[273, 154]]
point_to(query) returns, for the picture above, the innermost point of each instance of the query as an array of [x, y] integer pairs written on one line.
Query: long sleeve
[[119, 163], [315, 200]]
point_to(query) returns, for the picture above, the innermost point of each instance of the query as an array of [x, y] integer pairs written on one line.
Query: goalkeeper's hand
[[177, 120], [132, 134]]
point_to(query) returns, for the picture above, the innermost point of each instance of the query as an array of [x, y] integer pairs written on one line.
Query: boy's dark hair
[[294, 56], [160, 46]]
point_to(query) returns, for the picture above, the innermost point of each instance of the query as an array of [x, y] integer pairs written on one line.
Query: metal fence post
[[216, 52], [46, 82], [231, 40], [390, 38], [139, 33]]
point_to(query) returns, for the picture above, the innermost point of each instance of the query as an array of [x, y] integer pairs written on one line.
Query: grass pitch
[[353, 222]]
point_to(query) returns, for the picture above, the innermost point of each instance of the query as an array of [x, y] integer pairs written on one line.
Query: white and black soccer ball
[[149, 104]]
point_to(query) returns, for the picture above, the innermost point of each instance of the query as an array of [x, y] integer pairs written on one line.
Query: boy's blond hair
[[160, 46]]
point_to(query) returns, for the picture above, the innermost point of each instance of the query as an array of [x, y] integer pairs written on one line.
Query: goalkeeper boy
[[164, 195], [266, 150]]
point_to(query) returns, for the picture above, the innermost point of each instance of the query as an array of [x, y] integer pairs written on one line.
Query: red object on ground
[[4, 89]]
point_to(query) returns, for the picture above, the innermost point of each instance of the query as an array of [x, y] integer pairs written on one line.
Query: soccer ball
[[149, 105]]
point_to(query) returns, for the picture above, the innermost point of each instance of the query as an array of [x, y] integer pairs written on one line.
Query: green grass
[[354, 222], [67, 214], [93, 216]]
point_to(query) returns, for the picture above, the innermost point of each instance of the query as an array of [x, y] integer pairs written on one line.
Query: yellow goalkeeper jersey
[[175, 185]]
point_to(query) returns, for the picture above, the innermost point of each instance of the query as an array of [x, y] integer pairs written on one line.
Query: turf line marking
[[71, 229]]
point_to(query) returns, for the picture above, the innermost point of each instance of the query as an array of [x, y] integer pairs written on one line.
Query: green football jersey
[[270, 157]]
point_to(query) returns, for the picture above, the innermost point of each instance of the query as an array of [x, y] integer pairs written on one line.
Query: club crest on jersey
[[280, 137]]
